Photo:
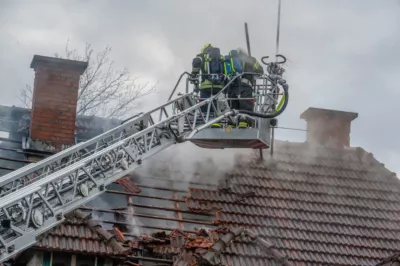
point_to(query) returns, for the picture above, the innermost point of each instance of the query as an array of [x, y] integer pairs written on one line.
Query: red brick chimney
[[328, 127], [54, 102]]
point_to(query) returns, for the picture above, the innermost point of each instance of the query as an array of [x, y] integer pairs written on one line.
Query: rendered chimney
[[55, 95], [328, 127]]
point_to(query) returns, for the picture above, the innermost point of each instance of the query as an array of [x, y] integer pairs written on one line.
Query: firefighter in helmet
[[243, 86], [209, 63]]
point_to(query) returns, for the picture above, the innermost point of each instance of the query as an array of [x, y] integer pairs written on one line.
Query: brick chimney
[[328, 127], [54, 103]]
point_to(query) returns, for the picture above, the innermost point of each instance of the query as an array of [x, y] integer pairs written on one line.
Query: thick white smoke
[[188, 163]]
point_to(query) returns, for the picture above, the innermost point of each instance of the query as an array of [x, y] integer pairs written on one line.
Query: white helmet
[[240, 50]]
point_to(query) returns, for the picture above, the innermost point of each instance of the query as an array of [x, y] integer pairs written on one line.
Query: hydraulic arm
[[36, 197]]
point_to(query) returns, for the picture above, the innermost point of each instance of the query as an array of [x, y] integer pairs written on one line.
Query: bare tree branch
[[103, 90], [25, 96]]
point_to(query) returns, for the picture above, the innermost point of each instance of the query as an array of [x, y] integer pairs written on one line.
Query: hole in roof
[[4, 134]]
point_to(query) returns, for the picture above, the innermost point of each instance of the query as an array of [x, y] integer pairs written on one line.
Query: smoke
[[161, 56], [97, 123], [134, 226], [116, 202], [187, 163]]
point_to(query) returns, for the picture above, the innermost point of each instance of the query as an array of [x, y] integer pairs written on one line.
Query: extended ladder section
[[35, 198]]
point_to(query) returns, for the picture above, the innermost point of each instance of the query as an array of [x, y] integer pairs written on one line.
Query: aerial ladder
[[36, 197]]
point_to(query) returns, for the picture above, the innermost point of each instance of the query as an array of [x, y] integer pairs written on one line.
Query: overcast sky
[[342, 54]]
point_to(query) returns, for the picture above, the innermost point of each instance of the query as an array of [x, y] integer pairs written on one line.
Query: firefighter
[[209, 63], [243, 86]]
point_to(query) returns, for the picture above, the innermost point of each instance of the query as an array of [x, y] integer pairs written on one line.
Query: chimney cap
[[75, 65], [313, 112]]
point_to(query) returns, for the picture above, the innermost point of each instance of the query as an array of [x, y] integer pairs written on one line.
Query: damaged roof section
[[215, 247]]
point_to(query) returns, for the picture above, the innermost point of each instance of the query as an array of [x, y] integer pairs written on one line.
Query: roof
[[390, 261], [316, 205], [78, 235]]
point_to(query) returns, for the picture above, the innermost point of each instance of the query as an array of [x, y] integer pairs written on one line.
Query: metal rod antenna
[[246, 30], [278, 28]]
